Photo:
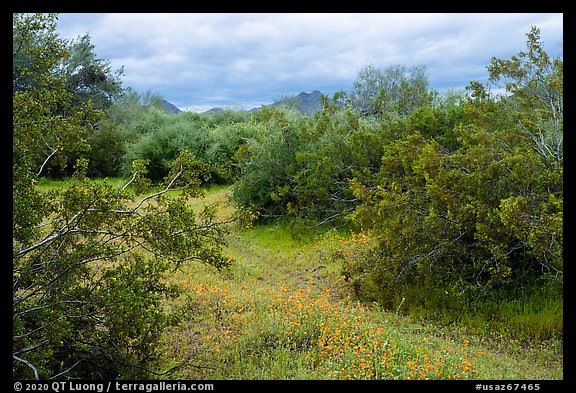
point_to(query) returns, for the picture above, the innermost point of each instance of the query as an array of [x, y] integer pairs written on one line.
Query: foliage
[[88, 77], [485, 217], [457, 214], [458, 200], [101, 260], [284, 312], [301, 167], [40, 131], [535, 101], [107, 150], [394, 90], [34, 55], [90, 261], [158, 136], [267, 161], [117, 130], [89, 82], [228, 141], [298, 167]]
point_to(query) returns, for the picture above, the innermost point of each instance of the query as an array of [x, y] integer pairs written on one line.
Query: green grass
[[45, 183], [283, 311]]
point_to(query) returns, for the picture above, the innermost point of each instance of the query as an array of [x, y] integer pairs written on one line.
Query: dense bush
[[159, 140], [158, 137], [488, 213], [463, 194], [479, 217], [267, 161], [299, 167]]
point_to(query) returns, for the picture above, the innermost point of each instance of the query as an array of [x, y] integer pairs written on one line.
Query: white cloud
[[237, 58]]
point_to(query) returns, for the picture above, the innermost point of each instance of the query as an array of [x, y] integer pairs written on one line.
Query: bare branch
[[49, 306], [62, 230], [26, 362], [66, 371], [46, 161], [160, 192], [24, 350], [48, 239], [131, 180]]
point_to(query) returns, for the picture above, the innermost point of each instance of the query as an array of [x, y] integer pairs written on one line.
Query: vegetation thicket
[[90, 259], [447, 208]]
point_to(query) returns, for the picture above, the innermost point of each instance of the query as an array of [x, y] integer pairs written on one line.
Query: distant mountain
[[214, 110], [306, 103], [170, 107]]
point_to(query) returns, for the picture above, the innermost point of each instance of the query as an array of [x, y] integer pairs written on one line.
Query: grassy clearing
[[46, 184], [283, 311]]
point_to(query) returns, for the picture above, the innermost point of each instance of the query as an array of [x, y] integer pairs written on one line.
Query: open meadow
[[283, 311]]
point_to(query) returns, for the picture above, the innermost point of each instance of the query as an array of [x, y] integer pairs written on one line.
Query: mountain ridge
[[306, 103], [303, 102], [170, 107]]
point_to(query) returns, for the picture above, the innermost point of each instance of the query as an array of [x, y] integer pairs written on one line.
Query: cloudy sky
[[198, 61]]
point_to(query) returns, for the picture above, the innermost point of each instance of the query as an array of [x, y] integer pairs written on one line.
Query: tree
[[483, 215], [90, 81], [90, 260], [299, 167], [268, 162], [88, 77], [535, 102], [34, 55], [396, 89]]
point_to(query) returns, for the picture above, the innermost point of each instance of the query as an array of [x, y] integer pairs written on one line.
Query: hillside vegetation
[[394, 233]]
